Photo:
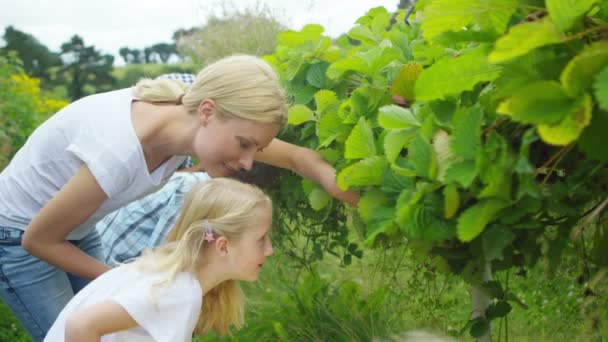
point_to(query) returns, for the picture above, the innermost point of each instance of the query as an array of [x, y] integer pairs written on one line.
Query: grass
[[387, 294]]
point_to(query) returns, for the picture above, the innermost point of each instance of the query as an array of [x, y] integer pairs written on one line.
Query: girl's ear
[[206, 109], [221, 245]]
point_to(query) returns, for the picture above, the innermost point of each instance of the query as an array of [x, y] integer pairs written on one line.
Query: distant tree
[[148, 55], [164, 51], [37, 58], [131, 56], [183, 33], [125, 53], [83, 65], [180, 36]]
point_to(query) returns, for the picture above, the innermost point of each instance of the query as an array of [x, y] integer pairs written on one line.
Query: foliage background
[[475, 175]]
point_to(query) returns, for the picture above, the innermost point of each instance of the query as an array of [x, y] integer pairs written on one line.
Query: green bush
[[23, 106]]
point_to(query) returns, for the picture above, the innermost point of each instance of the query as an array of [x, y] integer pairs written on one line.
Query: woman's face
[[229, 145]]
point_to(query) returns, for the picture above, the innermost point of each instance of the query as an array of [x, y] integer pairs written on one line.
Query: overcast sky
[[112, 24]]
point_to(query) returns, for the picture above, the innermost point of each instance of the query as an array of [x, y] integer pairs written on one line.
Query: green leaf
[[404, 83], [600, 87], [565, 13], [451, 201], [479, 328], [463, 172], [466, 137], [316, 74], [394, 184], [308, 185], [395, 117], [395, 141], [494, 240], [324, 99], [368, 171], [305, 95], [360, 143], [447, 15], [331, 128], [499, 309], [310, 32], [493, 289], [381, 222], [299, 114], [578, 75], [441, 145], [543, 102], [452, 75], [353, 62], [570, 128], [473, 221], [524, 38], [422, 156], [318, 198], [378, 57], [593, 138], [370, 202], [363, 34]]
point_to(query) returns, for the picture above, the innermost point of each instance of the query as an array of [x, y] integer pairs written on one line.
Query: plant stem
[[584, 33], [480, 301]]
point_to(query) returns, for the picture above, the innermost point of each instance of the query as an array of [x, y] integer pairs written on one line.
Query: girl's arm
[[97, 320], [307, 163], [46, 235]]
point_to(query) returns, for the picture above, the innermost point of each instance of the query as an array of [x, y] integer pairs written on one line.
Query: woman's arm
[[46, 235], [307, 163], [97, 320]]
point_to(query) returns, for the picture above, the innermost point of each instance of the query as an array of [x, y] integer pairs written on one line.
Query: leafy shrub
[[22, 107], [252, 30]]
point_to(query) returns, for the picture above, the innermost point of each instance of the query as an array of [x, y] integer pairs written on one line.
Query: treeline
[[80, 67]]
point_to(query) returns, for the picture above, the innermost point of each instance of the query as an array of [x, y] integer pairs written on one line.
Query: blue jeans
[[35, 290]]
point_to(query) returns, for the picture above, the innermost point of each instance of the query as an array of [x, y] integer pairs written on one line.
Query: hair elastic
[[208, 231], [179, 99]]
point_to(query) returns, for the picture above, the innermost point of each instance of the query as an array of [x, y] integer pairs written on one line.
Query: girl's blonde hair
[[230, 207], [241, 86]]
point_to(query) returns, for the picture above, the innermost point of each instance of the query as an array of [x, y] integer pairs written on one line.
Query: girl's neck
[[211, 275], [163, 131]]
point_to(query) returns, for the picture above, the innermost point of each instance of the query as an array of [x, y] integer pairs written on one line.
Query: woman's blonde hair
[[241, 86], [230, 207]]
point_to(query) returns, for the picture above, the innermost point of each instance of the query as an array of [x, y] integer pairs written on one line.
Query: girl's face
[[249, 253], [229, 145]]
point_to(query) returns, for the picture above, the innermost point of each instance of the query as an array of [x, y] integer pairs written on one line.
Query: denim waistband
[[10, 236]]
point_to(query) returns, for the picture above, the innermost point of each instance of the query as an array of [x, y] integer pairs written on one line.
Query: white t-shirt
[[165, 313], [96, 130]]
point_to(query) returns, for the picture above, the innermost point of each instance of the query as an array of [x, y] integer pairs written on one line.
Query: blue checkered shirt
[[142, 224]]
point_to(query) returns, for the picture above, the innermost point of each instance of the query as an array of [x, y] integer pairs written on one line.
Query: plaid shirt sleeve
[[143, 224], [186, 78]]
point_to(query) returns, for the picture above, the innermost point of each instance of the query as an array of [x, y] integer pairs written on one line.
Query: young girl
[[106, 150], [190, 284]]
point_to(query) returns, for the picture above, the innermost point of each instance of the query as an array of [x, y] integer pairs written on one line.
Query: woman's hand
[[308, 164]]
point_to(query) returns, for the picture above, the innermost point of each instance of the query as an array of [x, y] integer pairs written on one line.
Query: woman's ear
[[206, 109], [221, 245]]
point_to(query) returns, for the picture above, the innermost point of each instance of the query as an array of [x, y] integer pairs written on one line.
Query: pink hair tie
[[208, 231]]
